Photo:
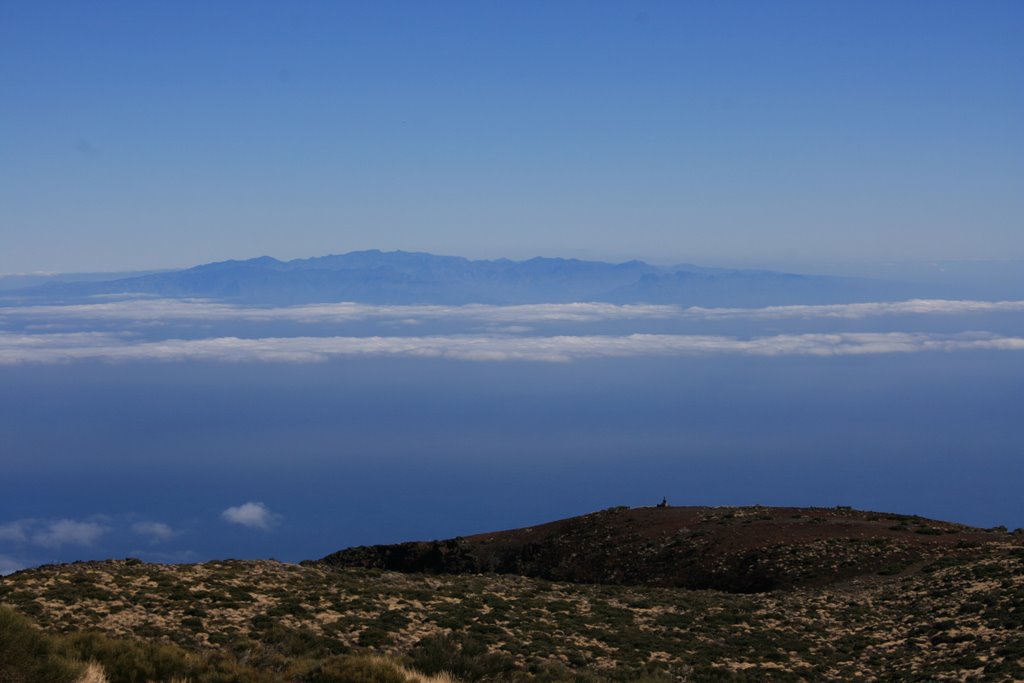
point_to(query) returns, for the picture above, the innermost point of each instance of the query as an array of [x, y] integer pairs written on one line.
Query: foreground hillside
[[957, 615], [29, 655]]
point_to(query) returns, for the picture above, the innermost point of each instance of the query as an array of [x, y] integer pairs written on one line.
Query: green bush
[[27, 655], [355, 670], [459, 655]]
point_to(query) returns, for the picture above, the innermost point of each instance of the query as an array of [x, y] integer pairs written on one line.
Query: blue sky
[[138, 135]]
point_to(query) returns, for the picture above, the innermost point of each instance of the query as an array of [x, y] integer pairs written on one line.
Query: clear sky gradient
[[162, 134]]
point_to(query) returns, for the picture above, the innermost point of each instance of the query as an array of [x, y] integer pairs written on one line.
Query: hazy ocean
[[372, 450]]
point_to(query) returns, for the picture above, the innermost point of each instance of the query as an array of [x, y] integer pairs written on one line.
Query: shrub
[[356, 670], [461, 656], [27, 655]]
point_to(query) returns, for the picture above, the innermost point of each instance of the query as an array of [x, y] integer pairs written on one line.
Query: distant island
[[400, 277]]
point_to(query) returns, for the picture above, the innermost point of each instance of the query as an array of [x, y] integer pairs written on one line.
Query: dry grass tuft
[[413, 676], [93, 674]]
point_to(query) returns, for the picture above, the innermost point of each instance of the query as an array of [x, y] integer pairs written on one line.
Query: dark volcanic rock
[[740, 550]]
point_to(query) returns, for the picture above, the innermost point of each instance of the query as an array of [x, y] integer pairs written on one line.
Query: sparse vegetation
[[28, 655], [955, 614]]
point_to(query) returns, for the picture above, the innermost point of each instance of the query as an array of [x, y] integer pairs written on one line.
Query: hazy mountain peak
[[403, 277]]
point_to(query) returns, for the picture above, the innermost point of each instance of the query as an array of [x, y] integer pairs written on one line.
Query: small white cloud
[[156, 531], [68, 531], [13, 531], [254, 515], [9, 565]]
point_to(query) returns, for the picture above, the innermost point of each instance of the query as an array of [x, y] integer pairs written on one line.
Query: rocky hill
[[738, 550]]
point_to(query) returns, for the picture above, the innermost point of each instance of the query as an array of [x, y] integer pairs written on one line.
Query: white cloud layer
[[861, 310], [68, 532], [507, 340], [252, 514], [167, 310], [56, 348], [154, 311]]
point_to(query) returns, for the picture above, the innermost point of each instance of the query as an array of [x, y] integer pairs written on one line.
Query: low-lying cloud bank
[[56, 533], [153, 311], [53, 533], [69, 531], [57, 348], [29, 541]]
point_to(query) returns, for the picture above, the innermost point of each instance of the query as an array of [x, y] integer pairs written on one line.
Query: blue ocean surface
[[145, 457]]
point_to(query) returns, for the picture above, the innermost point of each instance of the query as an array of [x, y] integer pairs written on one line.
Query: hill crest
[[734, 549]]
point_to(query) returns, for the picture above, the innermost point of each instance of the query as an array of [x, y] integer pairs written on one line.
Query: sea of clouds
[[32, 334]]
